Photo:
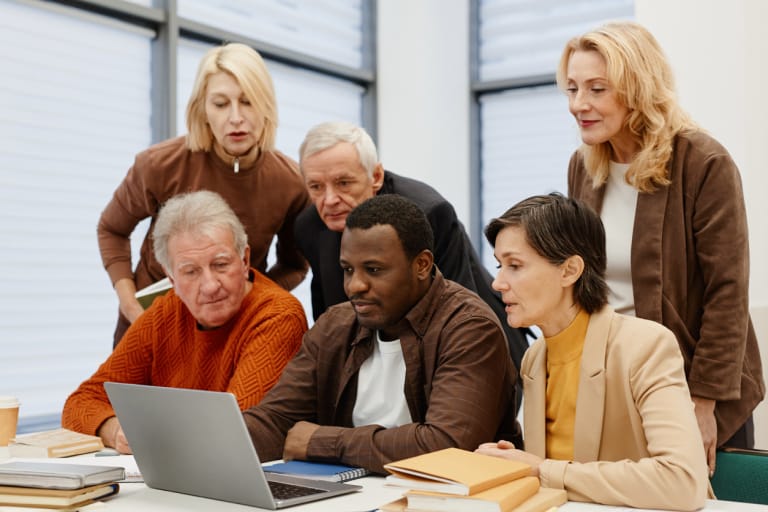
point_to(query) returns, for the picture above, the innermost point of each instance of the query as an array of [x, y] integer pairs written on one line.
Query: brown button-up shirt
[[459, 384]]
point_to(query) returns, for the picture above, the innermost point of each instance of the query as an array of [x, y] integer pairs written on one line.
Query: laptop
[[196, 442]]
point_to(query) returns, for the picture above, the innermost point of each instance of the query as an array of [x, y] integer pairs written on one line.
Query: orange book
[[454, 471], [502, 498], [543, 500]]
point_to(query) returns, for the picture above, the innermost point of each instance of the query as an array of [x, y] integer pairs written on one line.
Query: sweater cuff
[[119, 270], [324, 443], [552, 473]]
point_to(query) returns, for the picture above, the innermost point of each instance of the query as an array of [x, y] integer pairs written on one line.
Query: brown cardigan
[[690, 272]]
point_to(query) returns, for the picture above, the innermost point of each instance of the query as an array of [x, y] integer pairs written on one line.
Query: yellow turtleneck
[[563, 364]]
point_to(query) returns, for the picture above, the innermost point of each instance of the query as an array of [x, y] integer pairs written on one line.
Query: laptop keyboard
[[281, 491]]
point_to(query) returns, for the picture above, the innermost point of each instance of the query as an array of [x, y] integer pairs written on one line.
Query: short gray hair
[[326, 135], [195, 212]]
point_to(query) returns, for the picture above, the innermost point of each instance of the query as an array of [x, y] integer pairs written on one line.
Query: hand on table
[[507, 450]]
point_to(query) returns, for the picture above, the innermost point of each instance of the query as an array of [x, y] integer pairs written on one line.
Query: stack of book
[[64, 487], [454, 480]]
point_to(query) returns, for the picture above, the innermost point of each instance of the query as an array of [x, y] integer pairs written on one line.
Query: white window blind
[[304, 99], [528, 136], [74, 108], [524, 38], [326, 29]]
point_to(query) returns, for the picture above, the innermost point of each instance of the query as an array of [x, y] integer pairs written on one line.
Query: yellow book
[[502, 498], [55, 498], [454, 471], [544, 500], [54, 443]]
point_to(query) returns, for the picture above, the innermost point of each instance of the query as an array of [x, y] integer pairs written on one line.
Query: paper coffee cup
[[9, 417]]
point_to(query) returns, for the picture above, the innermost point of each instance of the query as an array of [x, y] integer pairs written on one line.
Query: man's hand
[[111, 434], [297, 440], [705, 416], [507, 450]]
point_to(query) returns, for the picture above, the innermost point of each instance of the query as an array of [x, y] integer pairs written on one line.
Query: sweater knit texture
[[165, 347]]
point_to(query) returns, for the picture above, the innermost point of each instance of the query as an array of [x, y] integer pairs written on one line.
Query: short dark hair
[[557, 228], [407, 219]]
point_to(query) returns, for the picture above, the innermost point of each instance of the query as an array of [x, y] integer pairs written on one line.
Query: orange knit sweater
[[164, 347]]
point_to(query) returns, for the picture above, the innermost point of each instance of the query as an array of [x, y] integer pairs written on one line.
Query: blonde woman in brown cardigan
[[671, 199]]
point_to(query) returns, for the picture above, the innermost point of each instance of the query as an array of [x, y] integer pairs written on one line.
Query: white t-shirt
[[618, 216], [380, 382]]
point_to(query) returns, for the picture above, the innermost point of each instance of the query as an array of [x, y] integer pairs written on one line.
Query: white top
[[618, 217], [380, 383]]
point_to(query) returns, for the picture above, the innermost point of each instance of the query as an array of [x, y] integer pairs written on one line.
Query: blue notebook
[[317, 470]]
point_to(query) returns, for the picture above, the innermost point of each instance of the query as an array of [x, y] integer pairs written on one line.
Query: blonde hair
[[639, 71], [247, 67]]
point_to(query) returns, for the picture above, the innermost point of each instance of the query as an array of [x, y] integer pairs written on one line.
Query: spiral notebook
[[317, 470]]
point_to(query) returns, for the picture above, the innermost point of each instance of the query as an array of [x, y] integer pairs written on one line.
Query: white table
[[137, 497]]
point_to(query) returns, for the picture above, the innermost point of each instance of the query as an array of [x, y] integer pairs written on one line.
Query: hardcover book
[[54, 443], [502, 498], [148, 294], [454, 471], [544, 500], [52, 475], [55, 498]]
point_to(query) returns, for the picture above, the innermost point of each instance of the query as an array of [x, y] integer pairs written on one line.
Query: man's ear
[[377, 178], [247, 259], [572, 268], [168, 274], [423, 263]]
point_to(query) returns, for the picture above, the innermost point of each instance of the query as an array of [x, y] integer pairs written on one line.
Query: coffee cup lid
[[7, 402]]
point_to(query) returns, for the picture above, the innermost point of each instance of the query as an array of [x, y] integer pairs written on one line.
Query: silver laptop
[[196, 442]]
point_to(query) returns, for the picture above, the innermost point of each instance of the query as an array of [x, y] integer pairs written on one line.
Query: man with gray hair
[[340, 166], [223, 327]]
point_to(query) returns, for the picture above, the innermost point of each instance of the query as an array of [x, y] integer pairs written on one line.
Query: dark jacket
[[454, 254]]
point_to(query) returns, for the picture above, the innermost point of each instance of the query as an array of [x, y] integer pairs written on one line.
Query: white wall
[[719, 52], [423, 94], [720, 58]]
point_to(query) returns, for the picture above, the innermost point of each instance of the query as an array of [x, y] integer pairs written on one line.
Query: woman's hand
[[126, 295], [507, 450], [705, 416]]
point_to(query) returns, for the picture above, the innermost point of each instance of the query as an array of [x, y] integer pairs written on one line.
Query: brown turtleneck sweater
[[266, 196]]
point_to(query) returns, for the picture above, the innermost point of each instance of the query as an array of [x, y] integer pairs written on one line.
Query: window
[[525, 130], [79, 99], [75, 105]]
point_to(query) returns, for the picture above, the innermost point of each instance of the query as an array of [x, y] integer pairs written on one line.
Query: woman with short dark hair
[[607, 413]]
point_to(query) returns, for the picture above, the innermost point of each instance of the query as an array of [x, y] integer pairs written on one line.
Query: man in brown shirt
[[352, 395]]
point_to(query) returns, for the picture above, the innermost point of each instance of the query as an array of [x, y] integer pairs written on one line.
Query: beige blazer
[[636, 440]]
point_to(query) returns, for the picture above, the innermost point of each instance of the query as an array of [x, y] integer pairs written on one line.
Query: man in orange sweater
[[223, 326]]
